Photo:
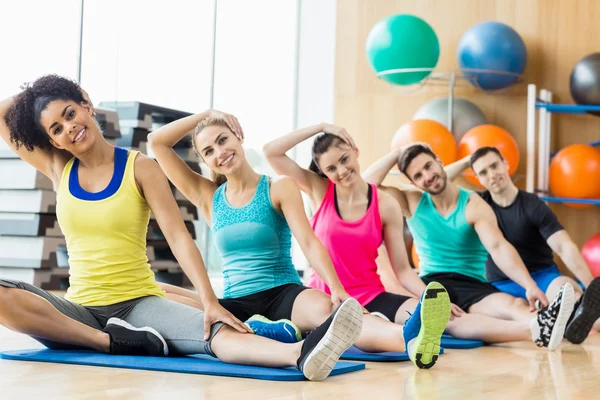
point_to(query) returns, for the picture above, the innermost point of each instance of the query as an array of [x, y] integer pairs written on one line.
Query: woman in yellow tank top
[[104, 198]]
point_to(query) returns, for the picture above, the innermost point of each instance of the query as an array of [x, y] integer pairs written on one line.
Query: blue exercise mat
[[450, 342], [356, 354], [194, 364]]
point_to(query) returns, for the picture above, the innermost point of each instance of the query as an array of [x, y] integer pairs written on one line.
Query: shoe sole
[[435, 314], [566, 308], [579, 329], [125, 324], [263, 319], [341, 334]]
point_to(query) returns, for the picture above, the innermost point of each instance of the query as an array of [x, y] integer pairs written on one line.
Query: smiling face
[[427, 173], [219, 148], [340, 164], [492, 172], [69, 125]]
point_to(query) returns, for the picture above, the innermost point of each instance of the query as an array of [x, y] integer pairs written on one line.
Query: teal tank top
[[254, 242], [447, 244]]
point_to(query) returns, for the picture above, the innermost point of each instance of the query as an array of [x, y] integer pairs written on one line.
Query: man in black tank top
[[535, 232]]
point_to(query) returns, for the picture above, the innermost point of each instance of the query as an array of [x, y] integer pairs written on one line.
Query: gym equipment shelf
[[542, 131], [565, 108]]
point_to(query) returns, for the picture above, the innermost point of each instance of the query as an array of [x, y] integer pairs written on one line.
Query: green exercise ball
[[402, 41]]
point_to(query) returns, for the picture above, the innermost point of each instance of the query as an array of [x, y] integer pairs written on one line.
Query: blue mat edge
[[388, 356], [16, 355], [462, 343]]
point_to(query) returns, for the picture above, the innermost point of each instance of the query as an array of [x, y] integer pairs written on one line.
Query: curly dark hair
[[23, 117]]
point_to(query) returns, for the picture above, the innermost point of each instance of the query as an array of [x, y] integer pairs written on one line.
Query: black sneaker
[[325, 345], [587, 311], [548, 328], [126, 339]]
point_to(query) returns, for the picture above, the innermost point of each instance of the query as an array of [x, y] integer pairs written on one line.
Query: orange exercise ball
[[440, 139], [489, 135], [575, 172], [415, 257]]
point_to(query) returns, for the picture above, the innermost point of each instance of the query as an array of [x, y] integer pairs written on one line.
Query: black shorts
[[275, 303], [386, 304], [464, 291]]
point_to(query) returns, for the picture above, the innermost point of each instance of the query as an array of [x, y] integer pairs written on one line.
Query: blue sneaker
[[423, 330], [282, 330]]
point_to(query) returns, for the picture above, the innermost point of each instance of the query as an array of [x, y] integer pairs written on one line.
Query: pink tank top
[[353, 247]]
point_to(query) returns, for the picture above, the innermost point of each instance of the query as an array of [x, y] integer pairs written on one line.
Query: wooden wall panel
[[557, 34]]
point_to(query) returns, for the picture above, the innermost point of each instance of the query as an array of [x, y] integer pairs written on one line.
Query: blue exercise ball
[[492, 46]]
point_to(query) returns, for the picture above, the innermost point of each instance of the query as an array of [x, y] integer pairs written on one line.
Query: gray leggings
[[180, 325]]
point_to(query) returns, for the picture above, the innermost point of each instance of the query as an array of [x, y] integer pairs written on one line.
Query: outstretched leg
[[182, 327]]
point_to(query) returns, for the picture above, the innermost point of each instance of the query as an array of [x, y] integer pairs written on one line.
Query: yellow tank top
[[105, 234]]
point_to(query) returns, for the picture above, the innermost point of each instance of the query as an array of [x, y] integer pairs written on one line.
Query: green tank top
[[447, 244]]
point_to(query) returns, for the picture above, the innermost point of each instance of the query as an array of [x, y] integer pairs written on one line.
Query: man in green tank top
[[454, 229]]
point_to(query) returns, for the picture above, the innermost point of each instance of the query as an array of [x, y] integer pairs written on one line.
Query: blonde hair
[[218, 179]]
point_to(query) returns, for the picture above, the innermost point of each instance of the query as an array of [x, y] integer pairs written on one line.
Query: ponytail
[[218, 179], [315, 168]]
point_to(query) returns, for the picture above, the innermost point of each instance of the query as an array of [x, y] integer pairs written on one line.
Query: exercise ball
[[414, 257], [591, 254], [465, 114], [402, 41], [585, 81], [575, 172], [492, 46], [489, 135], [431, 132]]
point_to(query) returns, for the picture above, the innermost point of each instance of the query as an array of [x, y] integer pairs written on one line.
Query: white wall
[[315, 80]]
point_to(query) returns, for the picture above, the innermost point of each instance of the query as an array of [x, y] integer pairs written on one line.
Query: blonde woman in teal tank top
[[252, 218], [453, 230], [105, 197]]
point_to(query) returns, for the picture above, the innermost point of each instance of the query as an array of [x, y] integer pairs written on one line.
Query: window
[[255, 66], [37, 41], [152, 51]]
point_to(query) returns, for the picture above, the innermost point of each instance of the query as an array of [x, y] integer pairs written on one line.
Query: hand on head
[[408, 146], [339, 132], [232, 123]]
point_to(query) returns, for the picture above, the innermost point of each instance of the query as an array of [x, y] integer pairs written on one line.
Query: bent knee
[[6, 297], [322, 311], [558, 282], [516, 302]]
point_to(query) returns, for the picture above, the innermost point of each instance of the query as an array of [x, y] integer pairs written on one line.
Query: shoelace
[[266, 332], [129, 343]]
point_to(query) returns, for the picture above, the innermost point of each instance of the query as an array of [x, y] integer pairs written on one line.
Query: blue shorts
[[543, 278]]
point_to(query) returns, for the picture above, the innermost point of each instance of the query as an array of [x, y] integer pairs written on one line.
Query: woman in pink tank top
[[351, 218]]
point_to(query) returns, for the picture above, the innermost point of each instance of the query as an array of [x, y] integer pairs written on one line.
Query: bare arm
[[49, 162], [456, 168], [287, 197], [562, 244], [393, 237], [483, 219], [377, 171], [156, 190], [194, 186]]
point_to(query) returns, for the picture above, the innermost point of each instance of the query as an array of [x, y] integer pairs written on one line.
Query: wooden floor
[[515, 371]]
